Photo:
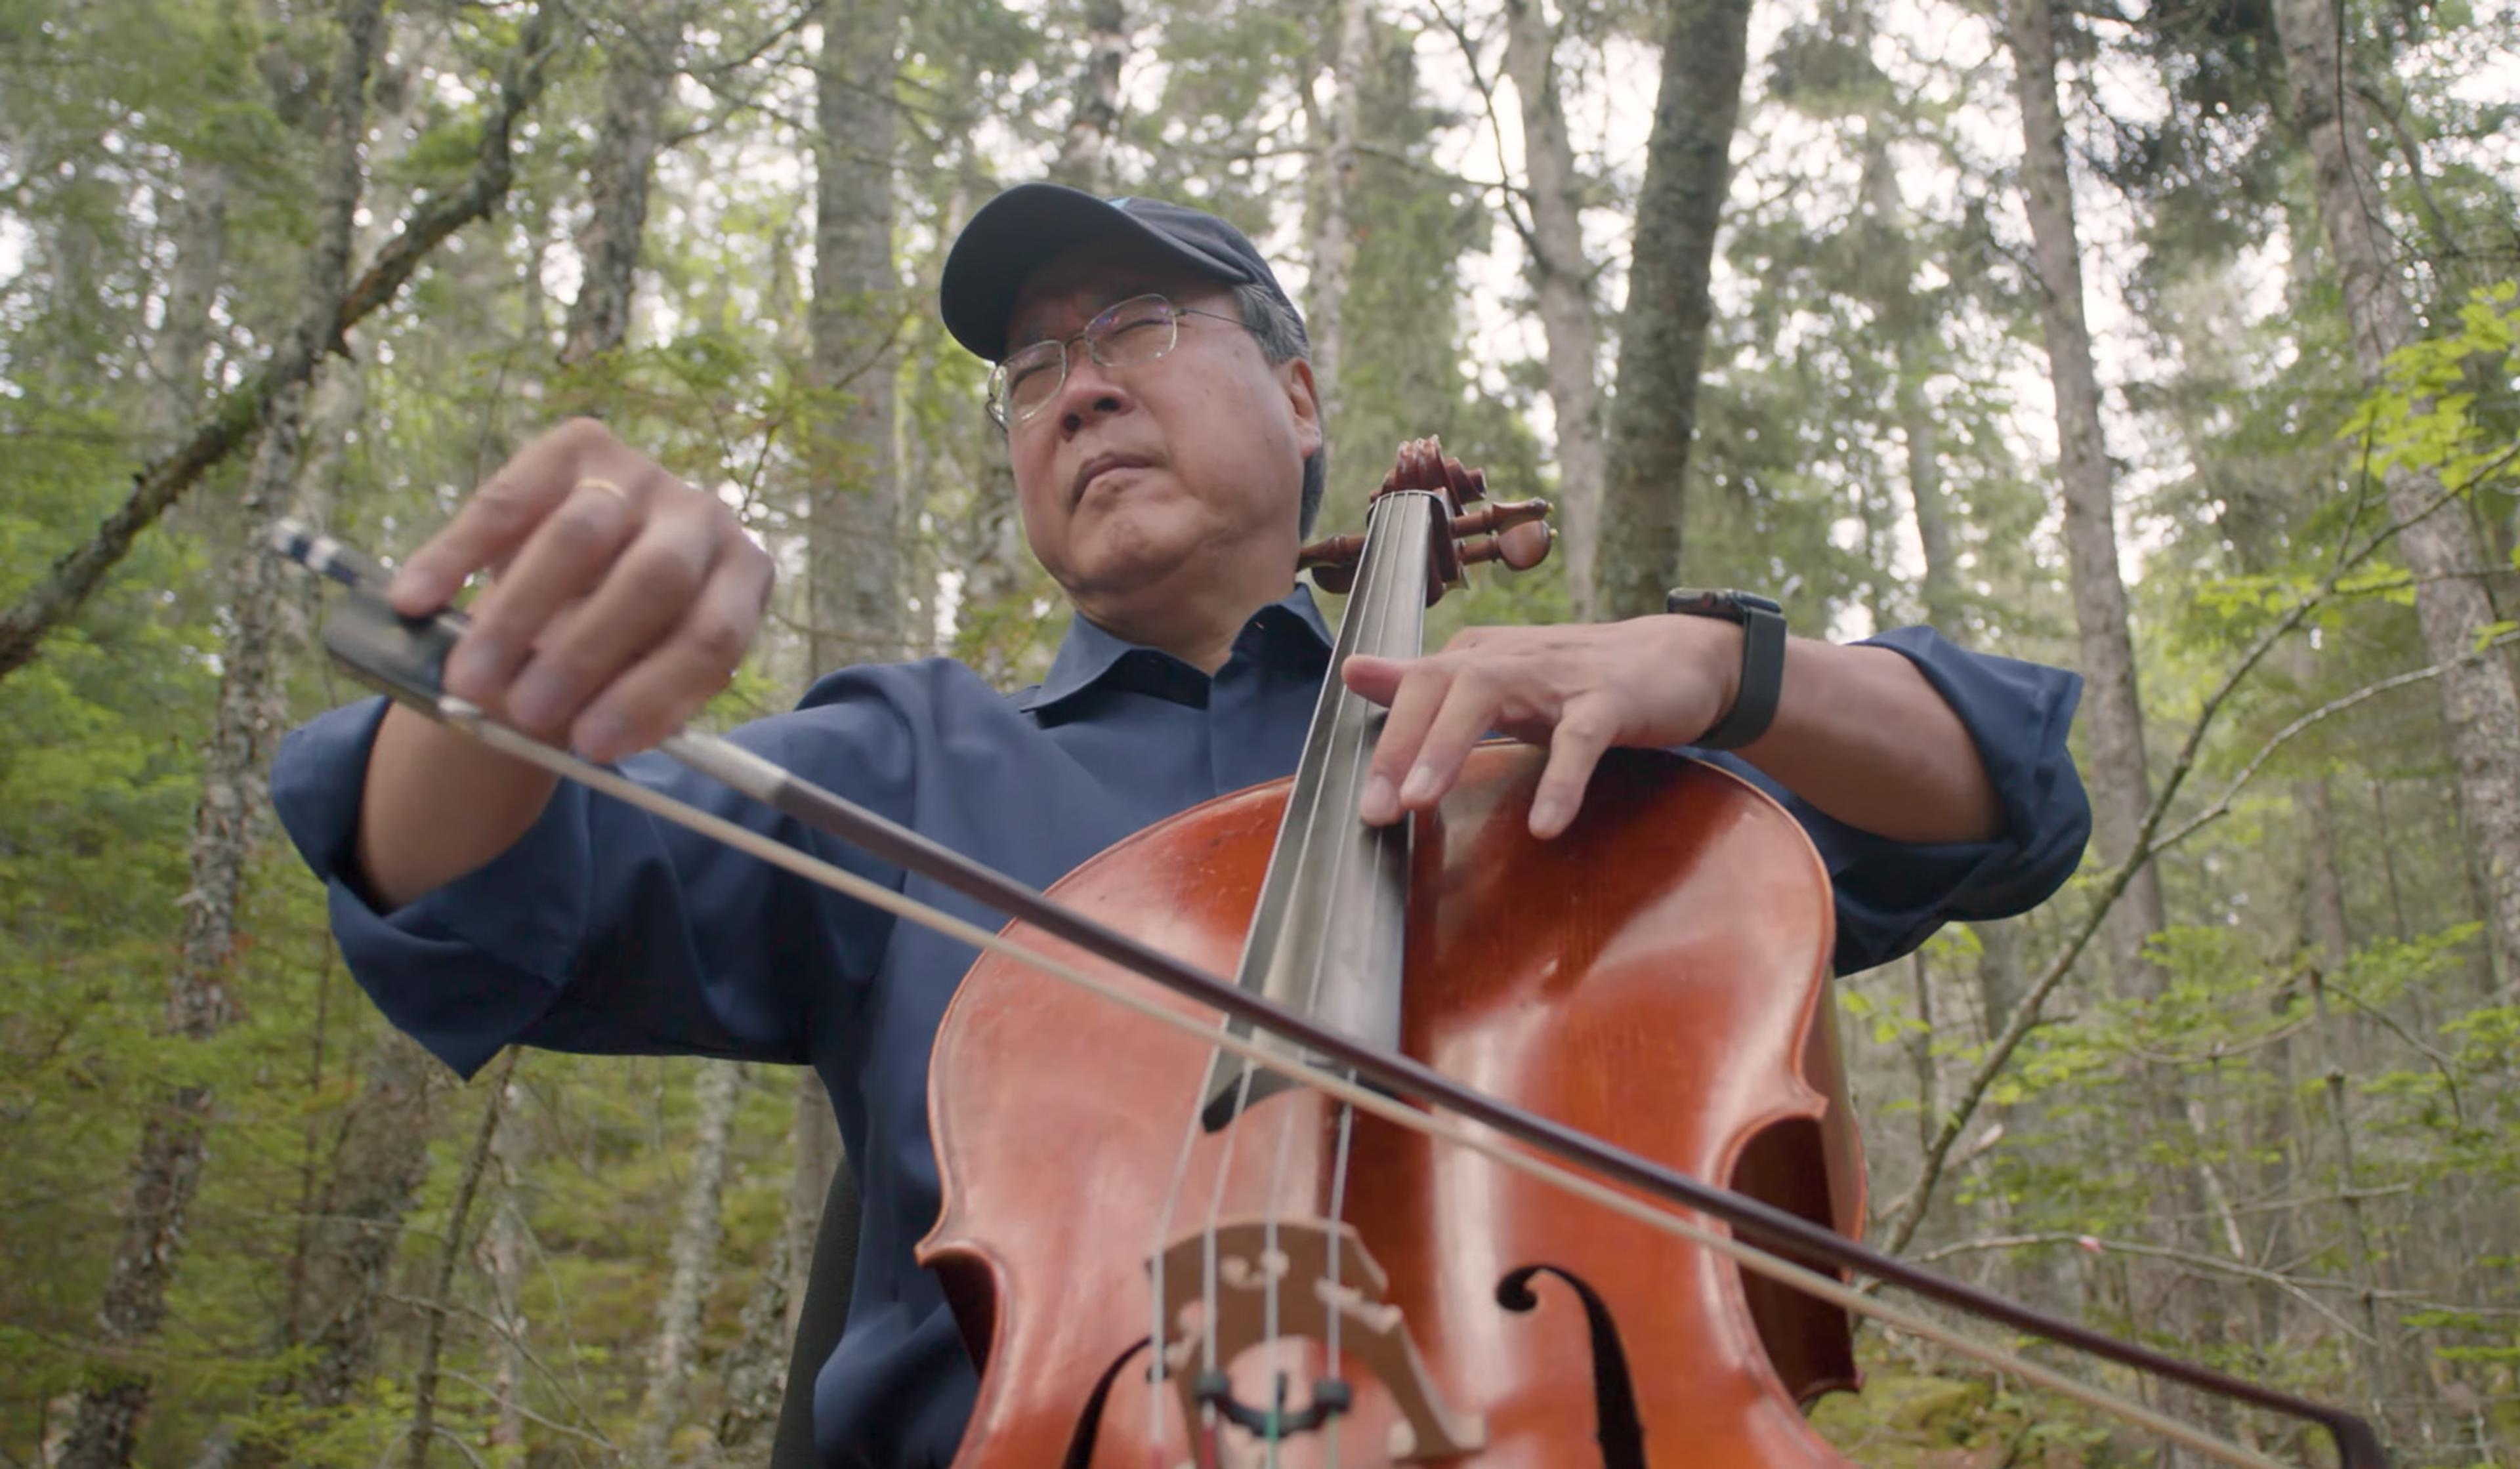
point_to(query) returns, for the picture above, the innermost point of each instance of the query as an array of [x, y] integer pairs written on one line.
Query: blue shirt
[[604, 929]]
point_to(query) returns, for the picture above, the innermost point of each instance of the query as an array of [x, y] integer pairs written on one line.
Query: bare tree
[[1094, 117], [1663, 334], [2479, 703], [174, 1138], [854, 605], [693, 1257], [1562, 278], [1333, 242], [2120, 787], [640, 65]]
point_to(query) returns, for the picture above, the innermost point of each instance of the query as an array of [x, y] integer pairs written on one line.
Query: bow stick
[[403, 657]]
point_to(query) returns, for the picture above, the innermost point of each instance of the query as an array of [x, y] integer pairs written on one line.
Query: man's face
[[1178, 478]]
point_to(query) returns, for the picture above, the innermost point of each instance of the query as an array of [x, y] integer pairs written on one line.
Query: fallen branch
[[237, 419]]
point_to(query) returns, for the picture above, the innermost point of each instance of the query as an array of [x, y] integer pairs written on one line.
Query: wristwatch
[[1763, 659]]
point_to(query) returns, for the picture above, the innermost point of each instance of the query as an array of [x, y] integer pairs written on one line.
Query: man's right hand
[[622, 599]]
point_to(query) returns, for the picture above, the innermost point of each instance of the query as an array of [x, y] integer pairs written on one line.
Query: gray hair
[[1280, 331]]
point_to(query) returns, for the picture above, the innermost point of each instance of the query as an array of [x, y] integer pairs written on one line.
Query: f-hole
[[1088, 1424], [1615, 1424]]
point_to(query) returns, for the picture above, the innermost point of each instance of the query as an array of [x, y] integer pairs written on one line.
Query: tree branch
[[238, 419], [1908, 1212]]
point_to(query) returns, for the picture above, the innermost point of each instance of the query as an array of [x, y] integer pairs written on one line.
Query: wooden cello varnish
[[1658, 977]]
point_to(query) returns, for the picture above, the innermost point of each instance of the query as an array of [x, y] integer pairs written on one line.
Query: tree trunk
[[507, 1241], [639, 70], [380, 1160], [174, 1139], [1663, 334], [1333, 242], [184, 330], [2121, 788], [694, 1257], [815, 1136], [756, 1369], [1562, 279], [2478, 700], [241, 415], [1094, 119], [440, 1305], [853, 581]]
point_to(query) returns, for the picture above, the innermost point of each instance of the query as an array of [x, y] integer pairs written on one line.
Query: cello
[[1174, 1234]]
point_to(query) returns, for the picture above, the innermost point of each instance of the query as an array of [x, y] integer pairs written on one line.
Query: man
[[1166, 444]]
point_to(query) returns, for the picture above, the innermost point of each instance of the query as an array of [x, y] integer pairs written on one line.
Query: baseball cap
[[1027, 226]]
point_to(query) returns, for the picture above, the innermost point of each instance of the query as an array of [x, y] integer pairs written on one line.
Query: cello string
[[1158, 1336], [1435, 1124], [1325, 806]]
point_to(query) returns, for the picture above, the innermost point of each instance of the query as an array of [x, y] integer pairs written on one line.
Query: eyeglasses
[[1131, 334]]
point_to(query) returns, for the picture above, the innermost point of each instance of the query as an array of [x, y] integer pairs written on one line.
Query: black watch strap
[[1763, 660]]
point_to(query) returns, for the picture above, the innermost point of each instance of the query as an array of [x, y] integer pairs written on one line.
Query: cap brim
[[1023, 229]]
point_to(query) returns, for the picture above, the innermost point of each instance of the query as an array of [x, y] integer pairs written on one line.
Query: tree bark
[[639, 66], [1562, 279], [2121, 788], [183, 327], [239, 416], [815, 1136], [441, 1303], [1094, 117], [1662, 334], [174, 1139], [694, 1258], [853, 594], [507, 1240], [1333, 242], [2479, 703], [380, 1160]]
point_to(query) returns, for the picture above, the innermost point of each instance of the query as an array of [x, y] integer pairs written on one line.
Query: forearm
[[439, 805], [1863, 735]]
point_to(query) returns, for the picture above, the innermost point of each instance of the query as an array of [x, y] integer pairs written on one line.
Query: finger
[[1469, 711], [645, 592], [563, 560], [1575, 748], [1376, 678], [501, 515], [1414, 700], [663, 691]]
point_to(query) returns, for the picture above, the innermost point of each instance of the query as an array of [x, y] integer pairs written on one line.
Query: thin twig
[[1908, 1212], [424, 1393]]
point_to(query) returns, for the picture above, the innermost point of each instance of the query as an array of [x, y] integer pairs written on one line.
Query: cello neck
[[1326, 936]]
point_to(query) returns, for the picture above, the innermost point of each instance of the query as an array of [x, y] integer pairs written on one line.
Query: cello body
[[1658, 977]]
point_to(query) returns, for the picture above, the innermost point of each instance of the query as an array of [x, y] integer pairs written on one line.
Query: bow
[[402, 657]]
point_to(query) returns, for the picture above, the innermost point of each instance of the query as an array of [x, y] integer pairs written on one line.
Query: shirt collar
[[1089, 655]]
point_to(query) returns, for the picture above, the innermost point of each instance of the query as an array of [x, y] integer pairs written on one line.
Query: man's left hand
[[1653, 682]]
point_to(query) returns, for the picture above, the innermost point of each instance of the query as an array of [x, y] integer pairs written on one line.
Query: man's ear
[[1295, 374]]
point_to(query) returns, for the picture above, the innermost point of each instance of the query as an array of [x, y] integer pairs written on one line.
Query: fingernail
[[1377, 804], [1419, 786], [539, 698], [412, 588], [1548, 814], [474, 666]]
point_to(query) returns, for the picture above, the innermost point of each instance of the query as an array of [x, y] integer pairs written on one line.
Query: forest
[[2168, 340]]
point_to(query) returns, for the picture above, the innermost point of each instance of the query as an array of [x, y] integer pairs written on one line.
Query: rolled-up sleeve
[[1892, 895], [604, 929]]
